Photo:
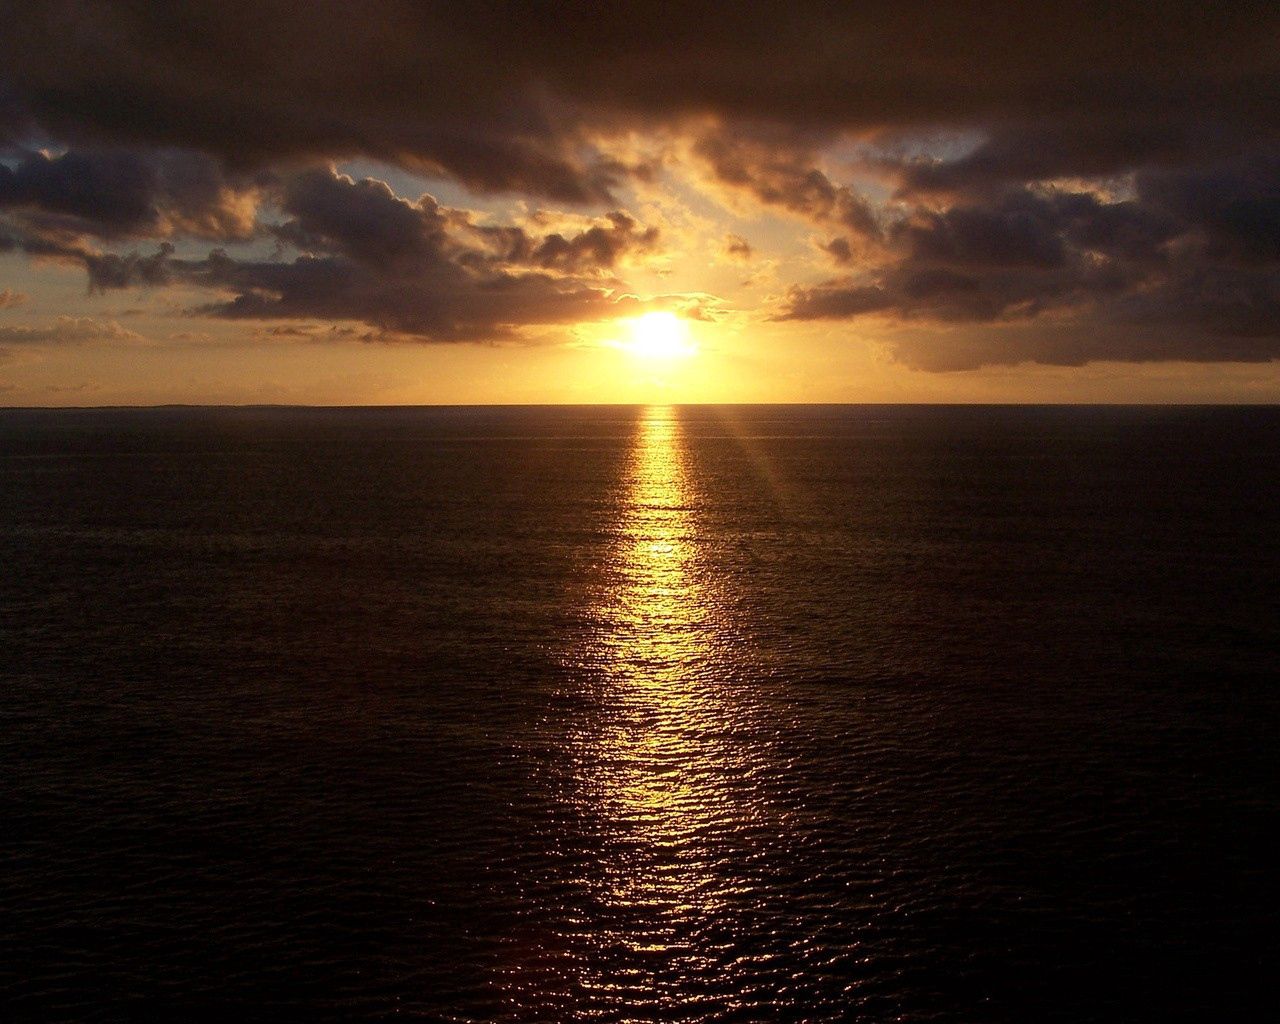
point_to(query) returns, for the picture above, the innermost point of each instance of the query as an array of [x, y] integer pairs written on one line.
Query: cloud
[[363, 220], [415, 269], [109, 270], [68, 330], [775, 169], [975, 166], [117, 193], [1233, 207], [10, 299], [737, 249], [1199, 261], [596, 248], [506, 97], [839, 249]]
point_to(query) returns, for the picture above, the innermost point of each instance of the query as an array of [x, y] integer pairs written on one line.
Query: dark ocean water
[[722, 714]]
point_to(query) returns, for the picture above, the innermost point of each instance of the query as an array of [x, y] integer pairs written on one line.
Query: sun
[[659, 335]]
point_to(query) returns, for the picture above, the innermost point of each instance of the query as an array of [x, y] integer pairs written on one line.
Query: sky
[[394, 202]]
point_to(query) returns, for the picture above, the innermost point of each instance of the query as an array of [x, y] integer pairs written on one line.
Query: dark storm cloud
[[1015, 256], [370, 224], [1121, 169], [405, 268], [109, 271], [498, 94], [1234, 207], [598, 247], [112, 193], [1197, 262], [777, 170], [439, 302], [275, 80], [1077, 146], [1067, 343], [363, 220]]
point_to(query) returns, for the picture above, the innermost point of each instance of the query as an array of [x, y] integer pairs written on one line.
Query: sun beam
[[659, 335]]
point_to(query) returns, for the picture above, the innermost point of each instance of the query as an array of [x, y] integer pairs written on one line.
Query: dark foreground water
[[884, 714]]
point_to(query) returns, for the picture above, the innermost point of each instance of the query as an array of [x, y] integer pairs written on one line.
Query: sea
[[755, 713]]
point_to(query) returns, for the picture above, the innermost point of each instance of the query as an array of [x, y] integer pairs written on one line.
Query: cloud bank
[[1108, 174]]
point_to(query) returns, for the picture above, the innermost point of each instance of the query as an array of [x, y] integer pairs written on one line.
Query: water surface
[[797, 713]]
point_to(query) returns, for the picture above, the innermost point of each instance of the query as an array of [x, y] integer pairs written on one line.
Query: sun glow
[[659, 335]]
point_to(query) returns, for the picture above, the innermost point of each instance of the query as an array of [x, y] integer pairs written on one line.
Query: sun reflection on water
[[658, 761], [665, 772]]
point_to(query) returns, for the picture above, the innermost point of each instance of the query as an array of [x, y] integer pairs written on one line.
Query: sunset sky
[[394, 202]]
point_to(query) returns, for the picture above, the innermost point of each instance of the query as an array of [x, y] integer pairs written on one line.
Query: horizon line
[[626, 405]]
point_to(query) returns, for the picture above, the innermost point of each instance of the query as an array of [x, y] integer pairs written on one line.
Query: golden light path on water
[[666, 767], [662, 765]]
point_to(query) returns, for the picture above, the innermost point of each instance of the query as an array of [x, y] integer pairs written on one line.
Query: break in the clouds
[[1057, 183]]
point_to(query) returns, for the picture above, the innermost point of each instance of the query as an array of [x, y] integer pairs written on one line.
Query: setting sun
[[659, 335]]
